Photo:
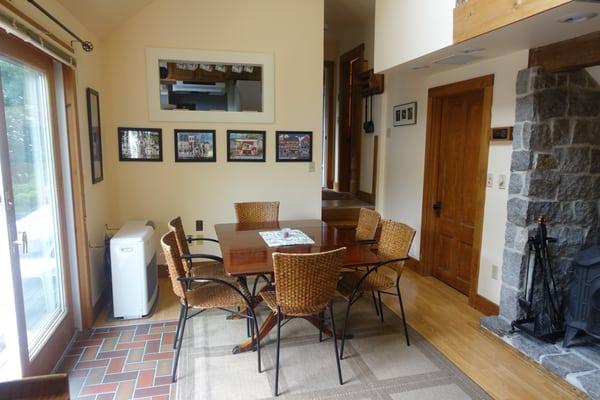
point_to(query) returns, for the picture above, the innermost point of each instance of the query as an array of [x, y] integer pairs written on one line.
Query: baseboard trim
[[485, 306]]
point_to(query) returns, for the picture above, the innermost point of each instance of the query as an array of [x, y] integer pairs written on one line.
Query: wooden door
[[460, 120], [350, 120]]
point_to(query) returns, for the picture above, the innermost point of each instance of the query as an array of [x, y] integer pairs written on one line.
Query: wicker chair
[[305, 286], [212, 268], [368, 222], [394, 244], [258, 211], [220, 294]]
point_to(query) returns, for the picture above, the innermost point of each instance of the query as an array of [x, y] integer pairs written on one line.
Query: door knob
[[437, 207]]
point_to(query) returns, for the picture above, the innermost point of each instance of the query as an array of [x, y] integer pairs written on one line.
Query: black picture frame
[[155, 132], [405, 114], [95, 134], [238, 134], [280, 138], [176, 137]]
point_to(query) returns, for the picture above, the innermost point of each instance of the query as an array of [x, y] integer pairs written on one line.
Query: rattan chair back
[[394, 242], [306, 283], [176, 225], [257, 211], [368, 221], [174, 263]]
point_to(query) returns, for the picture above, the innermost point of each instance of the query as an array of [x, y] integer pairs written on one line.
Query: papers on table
[[285, 237]]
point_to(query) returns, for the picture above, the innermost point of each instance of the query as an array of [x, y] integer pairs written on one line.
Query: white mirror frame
[[153, 55]]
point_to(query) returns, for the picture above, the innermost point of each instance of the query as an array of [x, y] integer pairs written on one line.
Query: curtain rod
[[85, 45]]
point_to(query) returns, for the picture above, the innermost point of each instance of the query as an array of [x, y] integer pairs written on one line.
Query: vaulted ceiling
[[349, 12], [100, 16]]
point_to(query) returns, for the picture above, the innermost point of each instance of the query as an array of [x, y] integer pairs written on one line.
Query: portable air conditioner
[[134, 270]]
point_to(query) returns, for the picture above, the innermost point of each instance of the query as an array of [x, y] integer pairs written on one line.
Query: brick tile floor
[[122, 362]]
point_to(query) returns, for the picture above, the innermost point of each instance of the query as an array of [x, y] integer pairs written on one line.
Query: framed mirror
[[210, 86]]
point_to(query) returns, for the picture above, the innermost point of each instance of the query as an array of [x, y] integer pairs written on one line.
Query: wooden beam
[[476, 17], [572, 54]]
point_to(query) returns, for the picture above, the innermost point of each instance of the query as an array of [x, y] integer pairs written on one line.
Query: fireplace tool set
[[540, 299]]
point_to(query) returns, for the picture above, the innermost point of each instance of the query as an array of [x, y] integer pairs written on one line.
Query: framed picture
[[193, 145], [293, 146], [405, 114], [93, 110], [246, 146], [140, 144], [502, 134]]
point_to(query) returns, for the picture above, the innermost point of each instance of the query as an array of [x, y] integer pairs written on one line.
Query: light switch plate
[[495, 270], [311, 167], [502, 182], [490, 180]]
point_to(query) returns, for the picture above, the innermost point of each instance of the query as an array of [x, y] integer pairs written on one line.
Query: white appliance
[[134, 270]]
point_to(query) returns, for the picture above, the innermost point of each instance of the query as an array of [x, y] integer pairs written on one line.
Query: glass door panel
[[34, 189]]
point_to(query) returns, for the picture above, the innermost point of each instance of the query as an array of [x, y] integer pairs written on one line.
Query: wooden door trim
[[356, 53], [432, 151], [329, 70], [88, 314]]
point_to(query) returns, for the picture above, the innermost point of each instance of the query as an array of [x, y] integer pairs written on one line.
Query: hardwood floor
[[443, 316]]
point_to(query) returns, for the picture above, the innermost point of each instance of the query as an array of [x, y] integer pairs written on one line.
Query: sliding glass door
[[33, 211]]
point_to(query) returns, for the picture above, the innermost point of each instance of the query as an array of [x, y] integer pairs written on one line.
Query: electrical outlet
[[199, 225], [490, 180], [311, 167], [495, 271], [502, 182]]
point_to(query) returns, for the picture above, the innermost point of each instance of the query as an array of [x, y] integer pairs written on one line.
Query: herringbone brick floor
[[123, 362]]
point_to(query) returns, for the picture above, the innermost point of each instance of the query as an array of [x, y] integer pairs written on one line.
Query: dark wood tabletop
[[246, 253]]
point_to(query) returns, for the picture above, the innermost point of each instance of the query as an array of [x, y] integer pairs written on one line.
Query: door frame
[[329, 86], [353, 136], [432, 151], [53, 346]]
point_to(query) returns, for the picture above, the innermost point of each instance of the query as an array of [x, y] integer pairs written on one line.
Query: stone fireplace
[[555, 172]]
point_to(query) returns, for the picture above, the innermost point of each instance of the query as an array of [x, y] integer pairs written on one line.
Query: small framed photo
[[192, 145], [504, 134], [246, 146], [405, 114], [93, 112], [293, 146], [140, 144]]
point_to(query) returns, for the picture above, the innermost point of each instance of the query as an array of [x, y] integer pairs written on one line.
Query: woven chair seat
[[214, 296], [270, 300], [376, 281], [213, 269]]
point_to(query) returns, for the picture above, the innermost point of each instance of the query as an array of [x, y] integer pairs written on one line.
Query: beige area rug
[[377, 365]]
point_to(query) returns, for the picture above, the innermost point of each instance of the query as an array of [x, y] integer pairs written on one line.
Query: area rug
[[377, 365]]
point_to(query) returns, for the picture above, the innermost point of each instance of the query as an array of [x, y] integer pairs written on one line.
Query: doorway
[[350, 117], [458, 126], [36, 307]]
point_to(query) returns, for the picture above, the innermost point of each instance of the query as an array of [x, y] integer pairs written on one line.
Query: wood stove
[[583, 309]]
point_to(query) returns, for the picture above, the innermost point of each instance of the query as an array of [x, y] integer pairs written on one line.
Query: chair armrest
[[191, 257], [369, 241], [191, 239]]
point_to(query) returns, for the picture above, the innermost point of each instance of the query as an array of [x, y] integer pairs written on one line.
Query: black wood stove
[[583, 310]]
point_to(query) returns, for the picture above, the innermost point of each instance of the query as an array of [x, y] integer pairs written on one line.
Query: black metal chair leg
[[337, 355], [380, 307], [321, 316], [345, 327], [277, 354], [403, 316], [180, 340], [256, 339], [375, 303], [247, 327], [178, 326]]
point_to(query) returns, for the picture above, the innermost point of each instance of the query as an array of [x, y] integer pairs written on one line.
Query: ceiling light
[[572, 19], [471, 51], [420, 67]]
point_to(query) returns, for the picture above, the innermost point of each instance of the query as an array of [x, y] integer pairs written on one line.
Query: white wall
[[404, 29], [403, 167], [290, 30]]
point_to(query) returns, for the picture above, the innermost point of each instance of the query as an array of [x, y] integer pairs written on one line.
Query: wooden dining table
[[246, 254]]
